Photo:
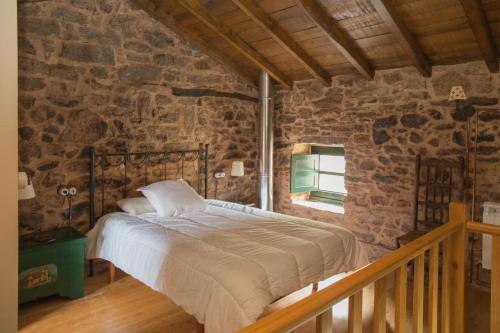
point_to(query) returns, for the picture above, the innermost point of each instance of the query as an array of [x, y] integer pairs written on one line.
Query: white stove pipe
[[266, 142]]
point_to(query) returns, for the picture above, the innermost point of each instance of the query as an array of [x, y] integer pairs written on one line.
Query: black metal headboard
[[100, 162]]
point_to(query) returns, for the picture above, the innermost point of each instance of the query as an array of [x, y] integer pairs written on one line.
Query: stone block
[[66, 14], [413, 120], [84, 127], [88, 53], [139, 74], [158, 39], [44, 27], [31, 84]]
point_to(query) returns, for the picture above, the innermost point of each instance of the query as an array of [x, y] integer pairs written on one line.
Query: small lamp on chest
[[25, 189]]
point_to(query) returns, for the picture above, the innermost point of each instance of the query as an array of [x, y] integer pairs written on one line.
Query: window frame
[[330, 197]]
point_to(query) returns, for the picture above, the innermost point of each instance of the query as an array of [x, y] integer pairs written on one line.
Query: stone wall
[[102, 73], [383, 124]]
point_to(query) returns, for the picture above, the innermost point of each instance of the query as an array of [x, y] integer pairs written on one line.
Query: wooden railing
[[447, 241]]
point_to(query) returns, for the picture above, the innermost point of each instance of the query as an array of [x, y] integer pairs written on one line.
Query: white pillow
[[136, 206], [173, 198]]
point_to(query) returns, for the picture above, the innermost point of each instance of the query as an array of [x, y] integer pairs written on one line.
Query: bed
[[226, 263]]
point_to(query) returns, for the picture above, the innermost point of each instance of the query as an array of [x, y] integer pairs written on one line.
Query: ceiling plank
[[196, 8], [337, 36], [160, 13], [266, 22], [388, 13], [482, 32]]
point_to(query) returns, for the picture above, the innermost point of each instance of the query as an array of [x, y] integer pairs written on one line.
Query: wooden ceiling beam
[[196, 8], [388, 13], [267, 23], [482, 32], [160, 13], [342, 41]]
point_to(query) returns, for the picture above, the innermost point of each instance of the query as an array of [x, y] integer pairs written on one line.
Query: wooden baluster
[[200, 328], [112, 272], [400, 298], [433, 288], [418, 294], [495, 284], [355, 323], [324, 322], [380, 306], [445, 287], [457, 269]]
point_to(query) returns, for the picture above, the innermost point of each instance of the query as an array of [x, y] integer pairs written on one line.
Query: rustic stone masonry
[[383, 124], [102, 73]]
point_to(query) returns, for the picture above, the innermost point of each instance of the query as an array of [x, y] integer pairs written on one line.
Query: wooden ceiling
[[303, 39]]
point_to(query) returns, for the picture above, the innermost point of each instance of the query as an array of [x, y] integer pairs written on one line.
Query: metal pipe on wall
[[266, 142]]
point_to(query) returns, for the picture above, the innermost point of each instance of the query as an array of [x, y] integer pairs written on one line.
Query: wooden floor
[[128, 306]]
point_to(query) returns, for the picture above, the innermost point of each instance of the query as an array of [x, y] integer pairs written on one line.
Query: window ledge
[[319, 205]]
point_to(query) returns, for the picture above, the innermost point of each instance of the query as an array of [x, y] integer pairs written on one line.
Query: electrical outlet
[[219, 175]]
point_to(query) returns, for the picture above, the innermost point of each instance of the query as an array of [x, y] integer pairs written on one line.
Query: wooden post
[[495, 284], [324, 322], [200, 328], [457, 268], [112, 272], [400, 299], [355, 323]]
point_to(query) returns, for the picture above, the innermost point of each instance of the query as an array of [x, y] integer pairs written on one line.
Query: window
[[321, 174]]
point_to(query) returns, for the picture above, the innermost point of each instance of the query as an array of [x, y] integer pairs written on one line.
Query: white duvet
[[224, 265]]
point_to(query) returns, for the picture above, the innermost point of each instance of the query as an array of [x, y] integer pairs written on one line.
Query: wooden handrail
[[293, 316], [483, 228]]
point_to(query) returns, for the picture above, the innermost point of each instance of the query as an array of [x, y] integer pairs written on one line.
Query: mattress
[[225, 264]]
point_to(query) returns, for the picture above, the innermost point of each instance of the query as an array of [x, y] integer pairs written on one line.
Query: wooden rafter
[[198, 10], [266, 22], [160, 13], [482, 32], [388, 13], [343, 42]]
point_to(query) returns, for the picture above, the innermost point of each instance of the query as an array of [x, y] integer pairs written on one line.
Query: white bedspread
[[226, 264]]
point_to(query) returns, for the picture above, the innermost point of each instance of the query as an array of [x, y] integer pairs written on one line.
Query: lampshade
[[25, 188], [237, 169], [457, 93]]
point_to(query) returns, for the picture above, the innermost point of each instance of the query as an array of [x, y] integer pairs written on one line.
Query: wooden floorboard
[[128, 306]]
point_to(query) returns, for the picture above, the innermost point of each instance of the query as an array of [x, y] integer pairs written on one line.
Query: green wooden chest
[[51, 262]]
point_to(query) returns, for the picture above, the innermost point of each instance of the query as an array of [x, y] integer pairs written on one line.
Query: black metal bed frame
[[141, 159], [438, 185]]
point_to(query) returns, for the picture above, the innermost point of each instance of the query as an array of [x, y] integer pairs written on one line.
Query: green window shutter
[[304, 173], [325, 150]]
